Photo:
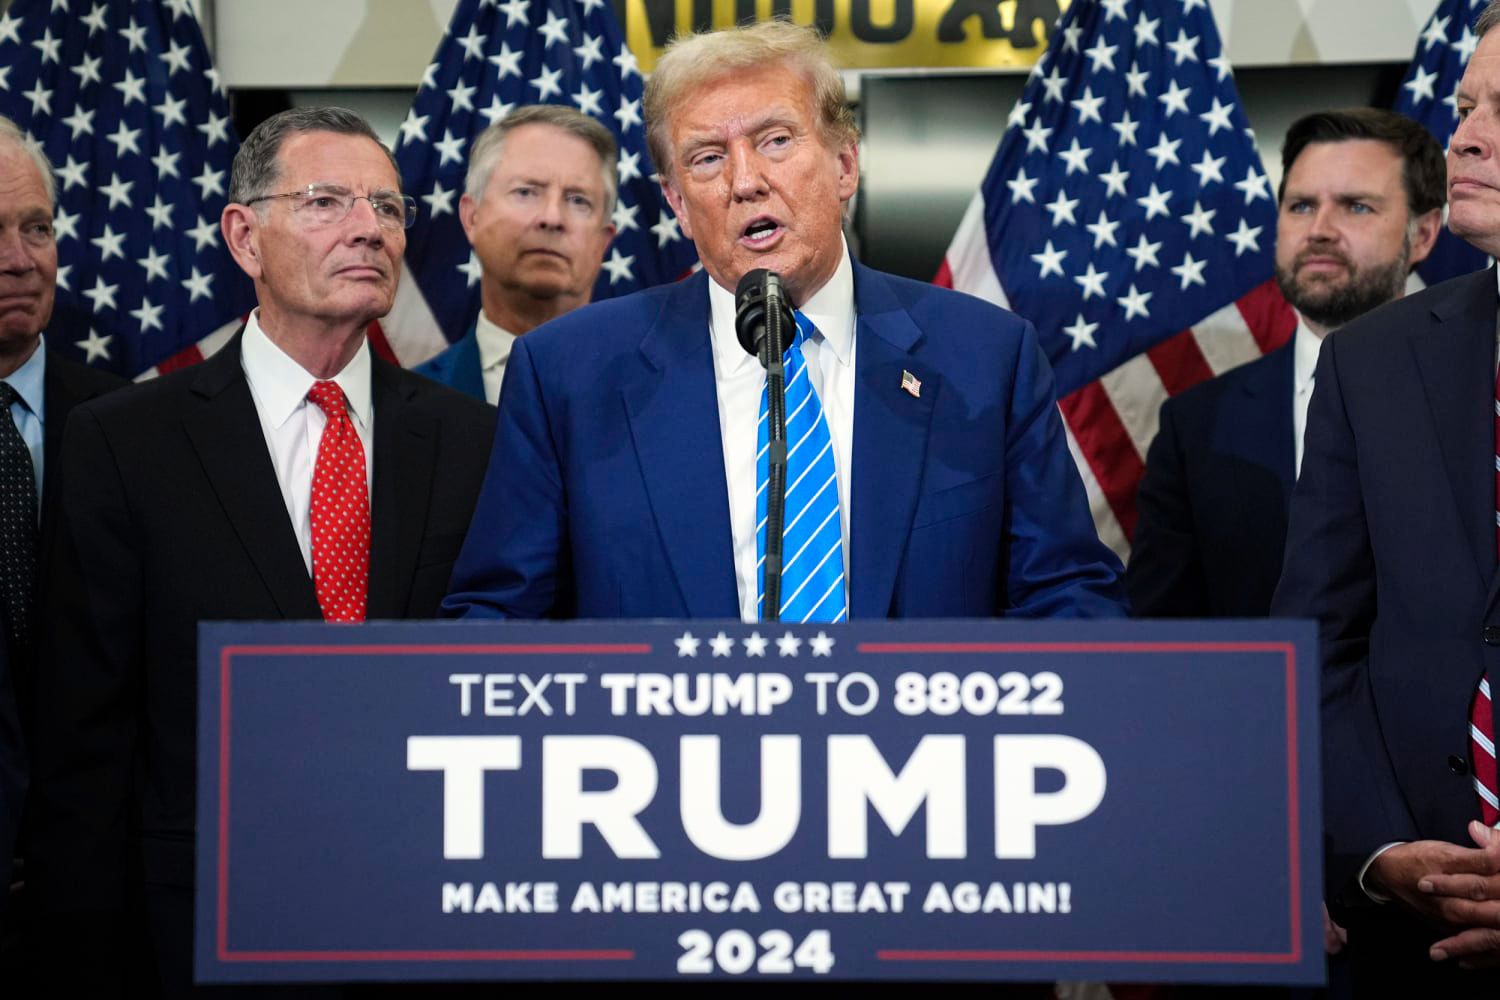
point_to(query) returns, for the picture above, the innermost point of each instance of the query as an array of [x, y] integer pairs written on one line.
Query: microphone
[[759, 300], [763, 323]]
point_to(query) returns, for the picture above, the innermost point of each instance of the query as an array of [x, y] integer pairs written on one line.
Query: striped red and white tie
[[1482, 713]]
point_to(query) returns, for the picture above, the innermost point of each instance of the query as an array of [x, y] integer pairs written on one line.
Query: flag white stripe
[[1136, 392], [1108, 526], [411, 329], [1225, 339], [969, 257]]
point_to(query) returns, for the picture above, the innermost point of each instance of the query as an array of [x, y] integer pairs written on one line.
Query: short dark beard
[[1366, 289]]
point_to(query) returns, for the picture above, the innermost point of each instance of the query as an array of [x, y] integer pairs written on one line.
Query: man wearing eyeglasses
[[294, 475]]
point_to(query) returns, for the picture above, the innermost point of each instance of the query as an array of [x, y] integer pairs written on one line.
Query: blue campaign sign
[[885, 800]]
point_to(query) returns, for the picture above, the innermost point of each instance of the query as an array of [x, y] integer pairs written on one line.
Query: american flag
[[1127, 215], [123, 97], [1443, 50], [496, 56]]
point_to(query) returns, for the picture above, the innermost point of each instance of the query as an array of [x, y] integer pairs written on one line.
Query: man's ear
[[679, 207], [240, 226], [468, 209], [1425, 236]]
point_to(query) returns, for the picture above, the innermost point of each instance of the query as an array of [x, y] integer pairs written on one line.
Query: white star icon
[[1217, 117], [172, 110], [1221, 66], [1101, 56], [1466, 45], [1088, 107], [1165, 151], [117, 191], [73, 173], [1255, 185], [1155, 202], [41, 99], [472, 43], [161, 214], [1051, 260], [10, 28], [461, 97], [155, 264], [624, 217], [1199, 221], [1021, 187], [588, 101], [79, 122], [1092, 282], [548, 83], [1190, 271], [1185, 48], [515, 12], [722, 645], [1436, 33], [88, 71], [590, 51], [687, 644], [1210, 169], [1145, 31], [788, 645], [51, 48], [755, 644], [110, 244], [65, 225], [1053, 83], [618, 266], [95, 346], [508, 61], [1420, 85], [450, 149], [471, 270], [496, 110], [1136, 79], [1246, 237], [1174, 99], [629, 114], [216, 128], [414, 128], [101, 295], [1126, 126], [198, 285], [625, 63], [1114, 180], [135, 35], [440, 200], [177, 57], [1062, 208], [1071, 34], [1134, 303], [821, 644], [555, 30], [1114, 9], [1144, 254], [666, 229], [148, 315], [1018, 114], [125, 140], [132, 87], [210, 182], [1076, 157], [1081, 333], [1036, 137], [204, 233], [630, 167], [1104, 231]]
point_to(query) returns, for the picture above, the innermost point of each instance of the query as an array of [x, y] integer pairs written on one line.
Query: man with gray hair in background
[[537, 208], [192, 498], [1392, 547], [38, 388]]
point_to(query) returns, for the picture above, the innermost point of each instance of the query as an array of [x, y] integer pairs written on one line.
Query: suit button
[[1491, 635], [1458, 765]]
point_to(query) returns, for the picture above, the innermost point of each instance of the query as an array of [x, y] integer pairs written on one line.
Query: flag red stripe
[[184, 358], [1107, 447], [944, 276], [379, 344], [1268, 315], [1180, 362]]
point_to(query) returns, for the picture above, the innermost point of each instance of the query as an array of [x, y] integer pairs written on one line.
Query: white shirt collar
[[280, 384], [831, 310], [29, 380], [1305, 348], [495, 342]]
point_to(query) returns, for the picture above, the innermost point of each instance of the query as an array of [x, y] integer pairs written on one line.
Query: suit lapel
[[405, 449], [1262, 423], [890, 442], [673, 411], [222, 423], [1455, 357]]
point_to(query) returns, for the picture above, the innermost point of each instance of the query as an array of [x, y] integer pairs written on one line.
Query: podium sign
[[887, 800]]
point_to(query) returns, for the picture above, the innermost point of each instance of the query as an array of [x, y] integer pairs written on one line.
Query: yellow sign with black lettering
[[868, 34]]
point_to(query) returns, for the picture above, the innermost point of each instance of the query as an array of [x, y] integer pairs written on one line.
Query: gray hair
[[1487, 19], [13, 134], [484, 155], [691, 61], [256, 170]]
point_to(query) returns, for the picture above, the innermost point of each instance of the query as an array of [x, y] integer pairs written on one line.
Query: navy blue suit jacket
[[458, 366], [1213, 502], [1392, 548], [606, 493]]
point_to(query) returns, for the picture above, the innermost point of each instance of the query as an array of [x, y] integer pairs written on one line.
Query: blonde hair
[[690, 61]]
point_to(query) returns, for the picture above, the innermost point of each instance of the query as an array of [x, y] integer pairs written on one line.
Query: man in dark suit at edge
[[1392, 547], [291, 476]]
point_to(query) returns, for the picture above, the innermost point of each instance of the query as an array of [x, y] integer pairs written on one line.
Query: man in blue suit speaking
[[627, 477]]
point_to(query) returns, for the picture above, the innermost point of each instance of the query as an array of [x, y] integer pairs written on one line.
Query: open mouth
[[761, 232]]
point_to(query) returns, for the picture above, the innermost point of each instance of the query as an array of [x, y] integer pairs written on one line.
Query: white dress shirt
[[740, 381], [1305, 347], [293, 427], [495, 343]]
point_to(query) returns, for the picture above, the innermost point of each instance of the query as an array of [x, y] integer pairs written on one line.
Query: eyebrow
[[773, 117]]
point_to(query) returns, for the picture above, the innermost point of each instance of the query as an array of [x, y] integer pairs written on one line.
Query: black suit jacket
[[1213, 502], [1392, 548], [170, 514]]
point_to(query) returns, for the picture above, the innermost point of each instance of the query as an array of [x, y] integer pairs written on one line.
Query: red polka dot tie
[[340, 512]]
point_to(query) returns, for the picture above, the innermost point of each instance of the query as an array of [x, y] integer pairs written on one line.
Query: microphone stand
[[772, 350]]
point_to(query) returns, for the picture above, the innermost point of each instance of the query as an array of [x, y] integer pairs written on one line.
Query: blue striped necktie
[[812, 576]]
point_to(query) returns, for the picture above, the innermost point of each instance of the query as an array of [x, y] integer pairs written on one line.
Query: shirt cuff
[[1375, 897]]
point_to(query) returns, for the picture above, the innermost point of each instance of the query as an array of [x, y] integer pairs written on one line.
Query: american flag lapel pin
[[911, 384]]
